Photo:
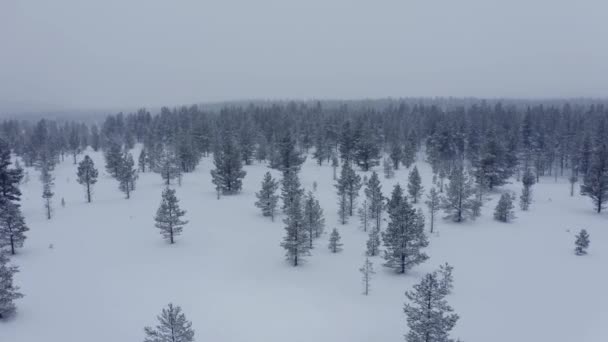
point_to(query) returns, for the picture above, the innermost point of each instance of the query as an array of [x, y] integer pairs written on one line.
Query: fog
[[111, 53]]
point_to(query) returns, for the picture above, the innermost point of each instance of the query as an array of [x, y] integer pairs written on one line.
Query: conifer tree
[[314, 223], [114, 158], [87, 176], [373, 242], [414, 187], [169, 216], [364, 215], [433, 203], [8, 291], [396, 154], [595, 182], [367, 152], [342, 207], [296, 240], [457, 202], [12, 227], [527, 181], [582, 242], [334, 241], [389, 172], [504, 209], [367, 272], [228, 173], [349, 184], [291, 190], [373, 193], [287, 157], [47, 180], [9, 177], [429, 317], [127, 174], [172, 327], [335, 163], [267, 197], [168, 166], [143, 160], [404, 237]]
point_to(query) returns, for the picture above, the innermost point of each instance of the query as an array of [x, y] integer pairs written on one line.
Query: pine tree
[[373, 242], [373, 193], [343, 207], [127, 175], [228, 173], [334, 241], [349, 184], [9, 177], [12, 227], [414, 187], [335, 163], [87, 175], [457, 202], [143, 160], [389, 172], [267, 198], [504, 209], [527, 180], [433, 203], [429, 317], [168, 217], [582, 242], [314, 223], [113, 156], [364, 215], [8, 291], [167, 166], [296, 240], [404, 237], [595, 182], [47, 180], [367, 152], [367, 271], [287, 157], [172, 327], [396, 155], [291, 190]]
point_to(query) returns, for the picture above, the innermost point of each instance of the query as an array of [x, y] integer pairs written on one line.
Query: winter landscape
[[303, 171]]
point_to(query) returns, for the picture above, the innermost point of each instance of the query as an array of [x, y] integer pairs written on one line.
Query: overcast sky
[[113, 53]]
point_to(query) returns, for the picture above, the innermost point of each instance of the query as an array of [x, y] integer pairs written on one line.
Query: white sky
[[99, 54]]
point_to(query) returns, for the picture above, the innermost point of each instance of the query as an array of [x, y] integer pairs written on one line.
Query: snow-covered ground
[[109, 272]]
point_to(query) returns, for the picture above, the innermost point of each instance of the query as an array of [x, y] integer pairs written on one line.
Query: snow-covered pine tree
[[334, 241], [113, 156], [373, 242], [87, 176], [457, 202], [595, 182], [12, 227], [367, 272], [143, 160], [127, 175], [228, 173], [432, 202], [373, 193], [9, 177], [364, 215], [409, 153], [414, 186], [527, 181], [47, 179], [291, 190], [349, 184], [429, 317], [167, 165], [287, 157], [404, 237], [335, 163], [367, 151], [168, 216], [396, 154], [267, 197], [8, 291], [342, 207], [581, 243], [172, 327], [389, 172], [296, 239], [504, 209], [314, 223]]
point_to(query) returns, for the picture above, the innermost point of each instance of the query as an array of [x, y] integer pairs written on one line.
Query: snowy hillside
[[100, 272]]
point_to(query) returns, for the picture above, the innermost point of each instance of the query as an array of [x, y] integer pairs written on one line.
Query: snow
[[109, 273]]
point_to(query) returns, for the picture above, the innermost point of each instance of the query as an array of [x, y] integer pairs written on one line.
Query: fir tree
[[113, 156], [287, 157], [314, 223], [504, 209], [367, 272], [367, 152], [404, 237], [373, 242], [457, 202], [296, 240], [12, 227], [527, 181], [364, 215], [127, 175], [433, 203], [396, 155], [172, 327], [349, 184], [267, 198], [414, 187], [168, 217], [228, 173], [87, 175], [429, 317], [582, 242], [8, 291], [334, 241], [373, 193], [595, 182], [291, 190]]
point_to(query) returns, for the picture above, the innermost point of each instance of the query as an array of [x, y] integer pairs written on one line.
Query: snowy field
[[109, 273]]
